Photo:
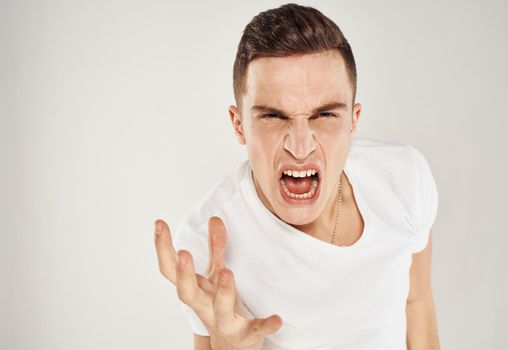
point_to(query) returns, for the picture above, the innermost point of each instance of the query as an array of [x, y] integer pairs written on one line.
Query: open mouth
[[300, 185]]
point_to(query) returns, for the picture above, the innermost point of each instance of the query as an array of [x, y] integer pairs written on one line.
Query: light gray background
[[114, 113]]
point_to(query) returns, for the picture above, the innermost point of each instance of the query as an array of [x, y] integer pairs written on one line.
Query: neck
[[324, 225]]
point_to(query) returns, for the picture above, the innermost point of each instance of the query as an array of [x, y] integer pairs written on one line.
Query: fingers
[[224, 310], [224, 302], [166, 254], [217, 244], [186, 284]]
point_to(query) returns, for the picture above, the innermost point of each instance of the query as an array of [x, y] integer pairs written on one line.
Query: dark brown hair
[[290, 29]]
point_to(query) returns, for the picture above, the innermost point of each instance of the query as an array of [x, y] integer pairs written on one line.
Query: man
[[320, 240]]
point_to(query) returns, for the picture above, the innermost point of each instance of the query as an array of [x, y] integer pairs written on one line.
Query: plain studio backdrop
[[114, 113]]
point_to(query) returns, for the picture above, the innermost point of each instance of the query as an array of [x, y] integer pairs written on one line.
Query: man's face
[[297, 114]]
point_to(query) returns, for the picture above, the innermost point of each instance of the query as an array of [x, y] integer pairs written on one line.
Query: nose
[[299, 141]]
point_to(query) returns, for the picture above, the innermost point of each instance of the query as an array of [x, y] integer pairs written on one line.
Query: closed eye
[[327, 114], [279, 116], [272, 116]]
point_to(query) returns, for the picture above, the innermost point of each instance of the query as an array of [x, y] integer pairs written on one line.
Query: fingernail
[[180, 261], [157, 228]]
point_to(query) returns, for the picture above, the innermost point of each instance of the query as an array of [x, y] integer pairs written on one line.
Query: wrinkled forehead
[[298, 84]]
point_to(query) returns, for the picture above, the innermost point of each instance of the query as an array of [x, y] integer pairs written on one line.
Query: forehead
[[298, 83]]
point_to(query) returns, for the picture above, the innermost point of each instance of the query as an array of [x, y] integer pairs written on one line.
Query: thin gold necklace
[[338, 213]]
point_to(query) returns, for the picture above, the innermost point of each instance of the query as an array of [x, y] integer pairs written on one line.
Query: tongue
[[298, 185]]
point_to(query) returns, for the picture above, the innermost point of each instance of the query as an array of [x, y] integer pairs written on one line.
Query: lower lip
[[300, 201]]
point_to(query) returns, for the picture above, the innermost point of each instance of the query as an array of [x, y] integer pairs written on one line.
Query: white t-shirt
[[328, 296]]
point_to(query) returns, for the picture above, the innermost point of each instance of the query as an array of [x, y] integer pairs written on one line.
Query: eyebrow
[[326, 107]]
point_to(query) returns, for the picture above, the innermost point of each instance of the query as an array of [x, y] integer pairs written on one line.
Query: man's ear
[[234, 116], [357, 109]]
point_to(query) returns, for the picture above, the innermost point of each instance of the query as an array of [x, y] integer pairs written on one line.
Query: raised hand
[[213, 297]]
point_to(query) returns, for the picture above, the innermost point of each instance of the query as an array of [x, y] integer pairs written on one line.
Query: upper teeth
[[300, 173]]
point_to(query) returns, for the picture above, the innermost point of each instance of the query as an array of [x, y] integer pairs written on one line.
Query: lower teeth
[[303, 195]]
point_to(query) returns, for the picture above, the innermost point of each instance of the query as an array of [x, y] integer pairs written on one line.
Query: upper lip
[[299, 167]]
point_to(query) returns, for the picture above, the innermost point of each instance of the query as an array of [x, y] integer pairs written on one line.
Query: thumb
[[267, 326]]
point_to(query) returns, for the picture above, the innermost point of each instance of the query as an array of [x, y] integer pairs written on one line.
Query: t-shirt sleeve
[[426, 204], [196, 244]]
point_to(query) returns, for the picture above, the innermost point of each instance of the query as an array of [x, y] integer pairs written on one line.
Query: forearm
[[422, 333]]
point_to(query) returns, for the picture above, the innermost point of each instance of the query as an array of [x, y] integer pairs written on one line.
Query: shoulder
[[385, 169], [383, 158], [397, 173], [388, 150], [397, 164]]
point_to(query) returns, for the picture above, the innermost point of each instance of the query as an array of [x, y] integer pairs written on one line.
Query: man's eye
[[326, 114], [270, 116]]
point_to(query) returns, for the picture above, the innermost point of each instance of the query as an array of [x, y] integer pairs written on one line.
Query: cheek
[[266, 139], [332, 137], [262, 147], [334, 143]]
